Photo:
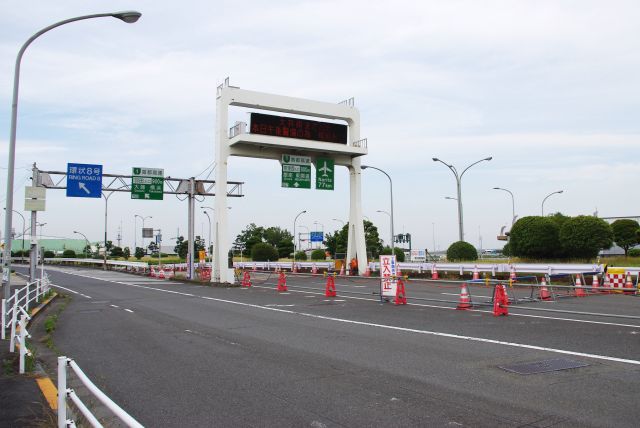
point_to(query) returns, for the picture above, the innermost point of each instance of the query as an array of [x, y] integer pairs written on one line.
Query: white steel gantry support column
[[273, 147], [221, 248]]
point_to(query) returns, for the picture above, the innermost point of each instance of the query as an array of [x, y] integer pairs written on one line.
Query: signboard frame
[[147, 183], [388, 276]]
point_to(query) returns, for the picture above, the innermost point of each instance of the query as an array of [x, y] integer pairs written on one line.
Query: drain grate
[[544, 366]]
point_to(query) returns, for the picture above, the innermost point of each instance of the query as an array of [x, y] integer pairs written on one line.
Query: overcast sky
[[550, 89]]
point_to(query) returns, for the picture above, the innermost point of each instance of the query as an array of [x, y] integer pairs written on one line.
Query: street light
[[40, 240], [391, 193], [294, 235], [552, 193], [85, 238], [208, 218], [210, 245], [308, 236], [513, 204], [24, 231], [459, 185], [341, 221], [127, 16], [135, 232]]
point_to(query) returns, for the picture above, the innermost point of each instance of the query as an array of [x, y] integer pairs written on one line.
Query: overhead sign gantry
[[326, 144]]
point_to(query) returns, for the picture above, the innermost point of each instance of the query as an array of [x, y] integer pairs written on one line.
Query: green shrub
[[461, 251], [584, 236], [634, 252], [69, 254], [535, 237], [301, 255], [318, 254], [263, 252], [398, 251], [506, 250], [49, 254]]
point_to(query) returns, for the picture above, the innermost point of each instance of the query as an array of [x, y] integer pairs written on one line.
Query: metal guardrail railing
[[17, 306], [65, 393]]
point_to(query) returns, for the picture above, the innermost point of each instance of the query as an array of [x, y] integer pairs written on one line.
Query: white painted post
[[27, 297], [23, 342], [62, 392], [14, 315]]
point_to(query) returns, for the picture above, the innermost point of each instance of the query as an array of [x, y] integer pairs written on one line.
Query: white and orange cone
[[465, 300]]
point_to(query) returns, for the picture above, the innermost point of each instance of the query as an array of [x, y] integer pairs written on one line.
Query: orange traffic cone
[[476, 274], [578, 288], [595, 285], [314, 269], [544, 291], [606, 284], [367, 271], [500, 301], [341, 270], [246, 279], [294, 269], [465, 300], [161, 274], [434, 272], [628, 285], [282, 282], [512, 275], [255, 268], [330, 289], [152, 274], [401, 296]]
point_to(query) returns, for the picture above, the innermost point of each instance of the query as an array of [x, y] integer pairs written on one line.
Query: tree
[[109, 246], [337, 242], [139, 253], [181, 247], [584, 236], [285, 248], [263, 252], [318, 254], [69, 254], [126, 253], [535, 237], [250, 236], [626, 234], [153, 247], [461, 250], [116, 252], [301, 256], [398, 252]]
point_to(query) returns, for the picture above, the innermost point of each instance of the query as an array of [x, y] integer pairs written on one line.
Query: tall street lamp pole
[[459, 186], [294, 234], [129, 17], [393, 247], [85, 238], [547, 197], [24, 231], [208, 218], [513, 204], [135, 230]]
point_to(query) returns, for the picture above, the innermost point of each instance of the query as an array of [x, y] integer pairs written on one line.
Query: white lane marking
[[334, 300], [114, 306], [129, 310], [401, 329], [71, 291], [273, 305]]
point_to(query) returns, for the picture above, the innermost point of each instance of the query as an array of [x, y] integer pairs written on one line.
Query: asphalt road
[[181, 355]]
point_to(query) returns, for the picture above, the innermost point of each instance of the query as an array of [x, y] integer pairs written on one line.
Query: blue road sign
[[84, 181], [315, 236]]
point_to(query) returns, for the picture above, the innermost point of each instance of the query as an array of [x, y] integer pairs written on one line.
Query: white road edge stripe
[[391, 327]]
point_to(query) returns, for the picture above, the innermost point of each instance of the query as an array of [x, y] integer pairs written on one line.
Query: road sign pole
[[192, 209]]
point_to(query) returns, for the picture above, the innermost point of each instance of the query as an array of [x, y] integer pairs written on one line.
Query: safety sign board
[[147, 183], [324, 174], [388, 272], [296, 171], [84, 180]]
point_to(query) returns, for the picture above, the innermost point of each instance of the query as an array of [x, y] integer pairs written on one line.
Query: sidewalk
[[21, 401]]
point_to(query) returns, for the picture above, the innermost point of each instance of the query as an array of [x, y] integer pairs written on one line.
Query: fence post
[[28, 295], [14, 315], [23, 342], [4, 319], [62, 392], [37, 291]]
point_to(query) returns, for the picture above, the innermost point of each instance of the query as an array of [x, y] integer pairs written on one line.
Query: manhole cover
[[544, 366]]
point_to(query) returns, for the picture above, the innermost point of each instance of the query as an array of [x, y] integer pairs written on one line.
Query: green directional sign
[[147, 183], [324, 174], [296, 171]]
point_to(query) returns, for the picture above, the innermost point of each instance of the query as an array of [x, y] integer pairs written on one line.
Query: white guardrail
[[18, 306], [548, 269], [65, 393]]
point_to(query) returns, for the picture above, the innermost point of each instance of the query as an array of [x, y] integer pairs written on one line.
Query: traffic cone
[[628, 285], [465, 300], [500, 301], [606, 284], [512, 275], [401, 296], [314, 269], [161, 274], [398, 271], [246, 279], [341, 270], [294, 269], [476, 274], [544, 291], [367, 271], [282, 282], [595, 285], [579, 291], [152, 274], [255, 268], [330, 289], [434, 272]]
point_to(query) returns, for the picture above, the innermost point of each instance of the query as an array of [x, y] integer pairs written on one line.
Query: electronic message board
[[304, 129]]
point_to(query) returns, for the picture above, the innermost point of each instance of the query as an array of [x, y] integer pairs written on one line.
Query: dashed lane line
[[397, 328]]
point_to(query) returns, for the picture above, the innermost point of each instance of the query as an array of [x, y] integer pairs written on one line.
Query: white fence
[[17, 306], [65, 393]]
